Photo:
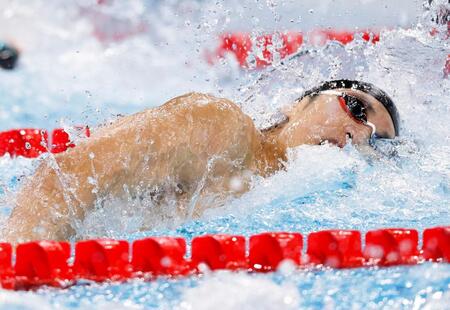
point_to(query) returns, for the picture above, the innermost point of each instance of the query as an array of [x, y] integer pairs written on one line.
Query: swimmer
[[194, 151], [8, 56]]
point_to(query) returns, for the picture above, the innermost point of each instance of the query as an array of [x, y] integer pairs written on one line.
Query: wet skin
[[196, 151]]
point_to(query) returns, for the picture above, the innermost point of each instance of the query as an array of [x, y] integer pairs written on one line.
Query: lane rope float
[[241, 44], [46, 263], [284, 44], [32, 142]]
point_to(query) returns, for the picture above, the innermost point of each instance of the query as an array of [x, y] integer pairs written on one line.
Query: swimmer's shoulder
[[202, 101], [191, 105]]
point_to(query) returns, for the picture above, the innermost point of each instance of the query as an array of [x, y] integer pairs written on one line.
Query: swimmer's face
[[319, 119]]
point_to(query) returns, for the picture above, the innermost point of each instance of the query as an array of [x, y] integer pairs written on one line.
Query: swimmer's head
[[8, 56], [338, 111]]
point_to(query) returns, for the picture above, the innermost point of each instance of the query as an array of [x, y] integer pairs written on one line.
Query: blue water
[[67, 76], [398, 287]]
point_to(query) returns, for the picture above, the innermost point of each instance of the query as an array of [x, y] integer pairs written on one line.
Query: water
[[72, 72]]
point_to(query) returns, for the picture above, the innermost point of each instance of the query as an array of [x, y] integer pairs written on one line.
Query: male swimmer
[[187, 155]]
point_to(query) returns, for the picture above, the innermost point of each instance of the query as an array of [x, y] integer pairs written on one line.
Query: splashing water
[[75, 69]]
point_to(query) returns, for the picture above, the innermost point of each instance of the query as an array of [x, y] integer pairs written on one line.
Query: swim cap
[[8, 56], [365, 87]]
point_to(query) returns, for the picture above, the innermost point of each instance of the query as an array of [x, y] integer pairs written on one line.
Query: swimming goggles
[[354, 107]]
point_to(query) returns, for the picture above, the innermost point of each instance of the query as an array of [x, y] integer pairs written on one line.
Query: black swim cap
[[365, 87], [8, 56]]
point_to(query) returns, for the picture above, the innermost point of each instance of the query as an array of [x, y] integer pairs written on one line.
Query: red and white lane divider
[[46, 262], [31, 143], [240, 44]]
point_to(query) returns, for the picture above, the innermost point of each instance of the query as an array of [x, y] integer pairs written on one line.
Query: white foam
[[231, 291], [21, 300]]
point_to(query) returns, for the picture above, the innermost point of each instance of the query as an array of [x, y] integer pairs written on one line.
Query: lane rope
[[49, 263], [241, 44], [32, 142], [283, 44]]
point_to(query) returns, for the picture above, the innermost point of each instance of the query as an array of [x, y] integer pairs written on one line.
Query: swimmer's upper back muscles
[[196, 150], [168, 150]]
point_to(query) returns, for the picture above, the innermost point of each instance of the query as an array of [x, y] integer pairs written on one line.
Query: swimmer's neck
[[273, 151]]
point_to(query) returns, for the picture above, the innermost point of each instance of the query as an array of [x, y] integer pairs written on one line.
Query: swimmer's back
[[194, 145], [210, 125]]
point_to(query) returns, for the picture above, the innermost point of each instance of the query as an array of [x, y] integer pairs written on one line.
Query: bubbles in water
[[245, 289]]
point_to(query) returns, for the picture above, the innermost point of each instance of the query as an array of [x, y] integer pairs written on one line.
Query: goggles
[[354, 108]]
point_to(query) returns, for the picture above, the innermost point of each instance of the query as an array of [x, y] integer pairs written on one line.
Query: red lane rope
[[31, 143], [241, 45], [46, 262]]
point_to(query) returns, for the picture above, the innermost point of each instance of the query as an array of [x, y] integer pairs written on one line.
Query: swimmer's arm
[[62, 189], [66, 186], [143, 148]]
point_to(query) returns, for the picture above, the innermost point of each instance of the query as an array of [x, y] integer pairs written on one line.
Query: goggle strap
[[332, 92], [374, 128]]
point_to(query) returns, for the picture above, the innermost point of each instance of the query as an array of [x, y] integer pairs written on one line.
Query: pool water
[[74, 71]]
